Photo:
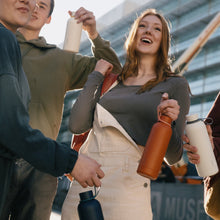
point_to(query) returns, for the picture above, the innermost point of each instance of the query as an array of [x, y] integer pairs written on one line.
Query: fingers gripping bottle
[[198, 137], [155, 148], [73, 35], [89, 208]]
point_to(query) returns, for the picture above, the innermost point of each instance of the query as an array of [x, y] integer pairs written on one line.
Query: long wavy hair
[[162, 67]]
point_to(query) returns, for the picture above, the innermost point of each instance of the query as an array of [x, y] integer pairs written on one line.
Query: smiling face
[[149, 35], [148, 38], [15, 13], [150, 26], [40, 16]]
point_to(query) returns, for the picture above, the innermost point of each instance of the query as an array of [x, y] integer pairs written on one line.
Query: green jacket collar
[[40, 42]]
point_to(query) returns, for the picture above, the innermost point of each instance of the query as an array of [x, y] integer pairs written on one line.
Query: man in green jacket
[[51, 72], [17, 138]]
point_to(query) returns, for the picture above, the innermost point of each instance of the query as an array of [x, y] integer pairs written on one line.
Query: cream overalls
[[124, 195]]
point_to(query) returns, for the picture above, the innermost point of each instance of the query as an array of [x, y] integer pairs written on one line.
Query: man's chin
[[33, 19], [30, 23]]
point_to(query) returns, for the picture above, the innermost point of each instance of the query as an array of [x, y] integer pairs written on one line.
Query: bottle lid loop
[[161, 120], [207, 121]]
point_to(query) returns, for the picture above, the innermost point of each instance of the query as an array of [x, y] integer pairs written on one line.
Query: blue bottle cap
[[86, 195]]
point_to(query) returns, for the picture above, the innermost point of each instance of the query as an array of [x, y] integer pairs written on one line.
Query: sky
[[55, 31]]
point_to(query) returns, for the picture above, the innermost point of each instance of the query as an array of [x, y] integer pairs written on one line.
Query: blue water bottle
[[89, 208]]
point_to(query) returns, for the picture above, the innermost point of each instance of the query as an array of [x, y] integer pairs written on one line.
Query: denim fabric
[[6, 168], [29, 184]]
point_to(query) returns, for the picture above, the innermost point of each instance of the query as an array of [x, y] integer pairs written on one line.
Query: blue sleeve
[[16, 136], [9, 52]]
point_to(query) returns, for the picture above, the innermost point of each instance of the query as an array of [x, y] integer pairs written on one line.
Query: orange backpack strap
[[78, 140], [108, 81]]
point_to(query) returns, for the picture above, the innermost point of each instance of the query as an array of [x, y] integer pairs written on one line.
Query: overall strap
[[78, 140]]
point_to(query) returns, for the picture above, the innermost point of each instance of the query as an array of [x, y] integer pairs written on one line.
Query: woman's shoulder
[[177, 81], [178, 85]]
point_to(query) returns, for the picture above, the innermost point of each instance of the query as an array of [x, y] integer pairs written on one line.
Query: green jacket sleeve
[[82, 66]]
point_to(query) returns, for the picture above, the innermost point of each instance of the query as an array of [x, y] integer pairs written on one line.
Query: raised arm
[[82, 113], [83, 65]]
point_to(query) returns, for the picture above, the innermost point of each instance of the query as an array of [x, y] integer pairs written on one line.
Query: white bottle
[[73, 35], [198, 137]]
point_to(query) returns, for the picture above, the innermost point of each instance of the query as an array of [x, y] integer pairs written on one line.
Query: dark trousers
[[31, 194], [6, 168]]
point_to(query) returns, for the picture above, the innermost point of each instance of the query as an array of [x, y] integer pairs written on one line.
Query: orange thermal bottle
[[155, 148]]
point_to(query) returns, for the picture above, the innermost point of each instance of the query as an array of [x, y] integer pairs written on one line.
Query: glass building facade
[[188, 18]]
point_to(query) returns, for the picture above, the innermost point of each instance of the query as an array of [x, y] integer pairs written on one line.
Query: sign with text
[[177, 201]]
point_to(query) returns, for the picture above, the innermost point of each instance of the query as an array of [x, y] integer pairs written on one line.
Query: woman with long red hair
[[121, 119]]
